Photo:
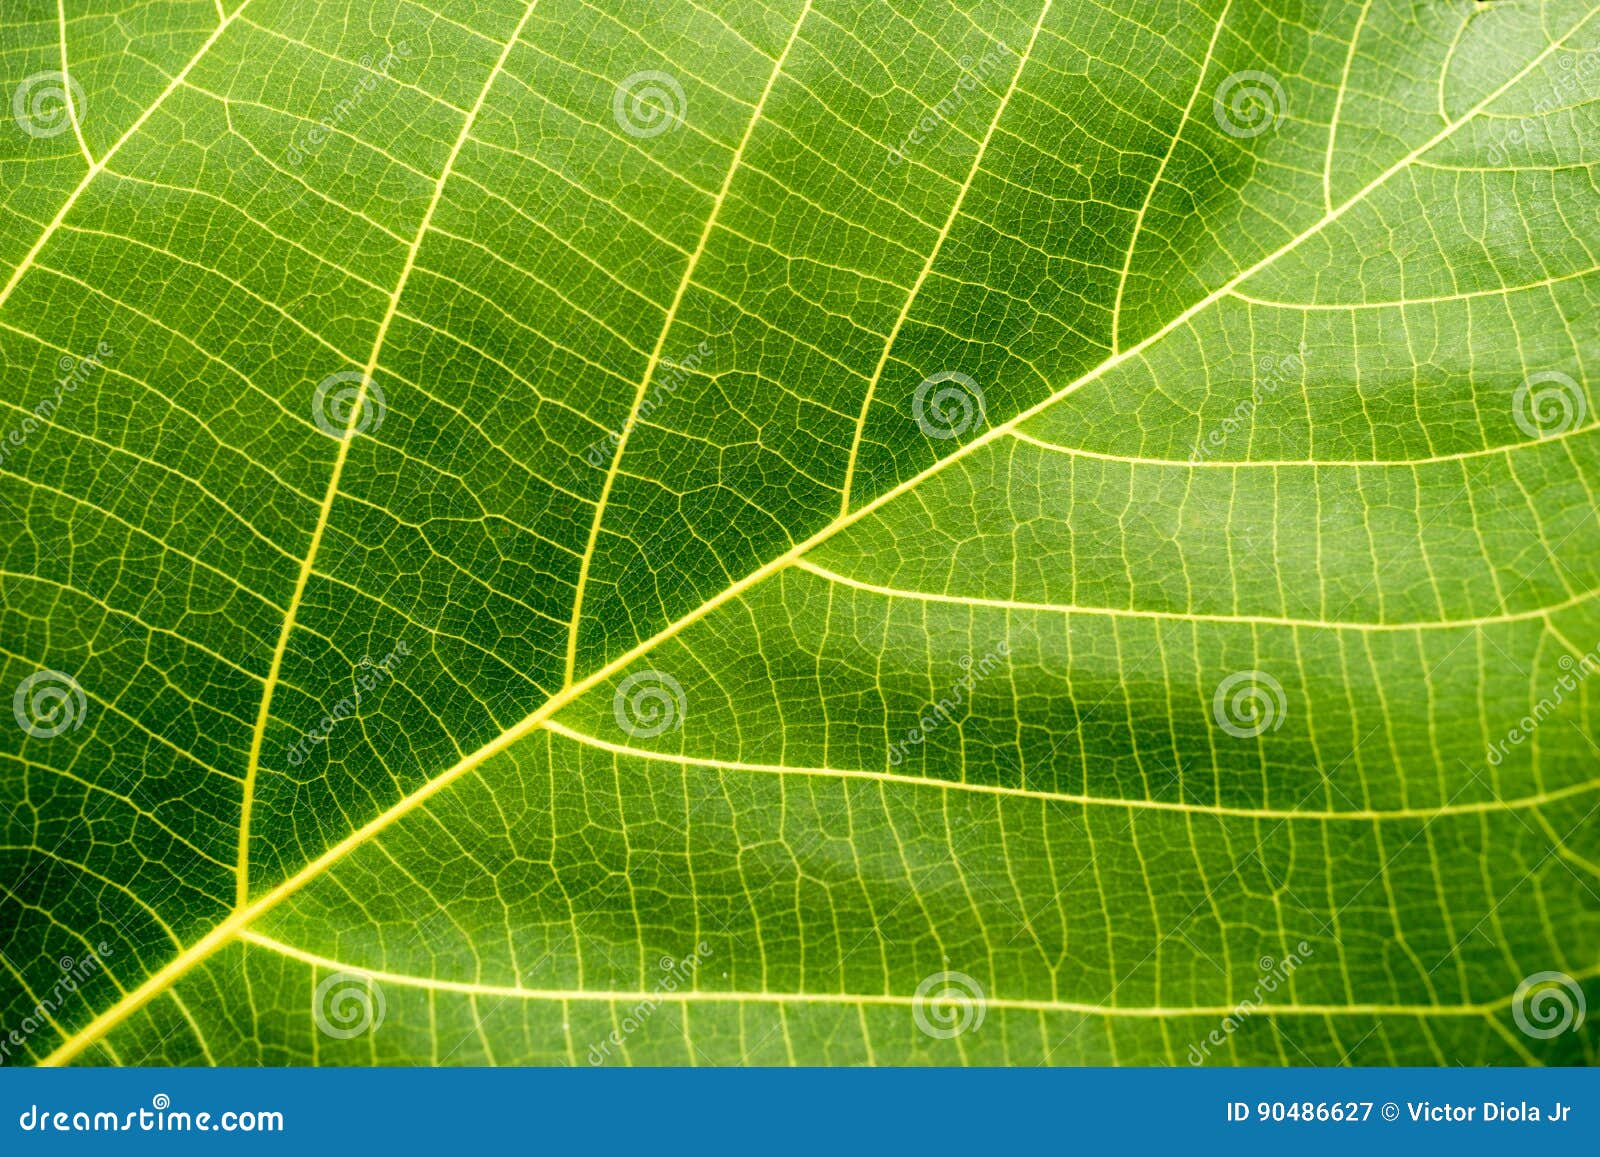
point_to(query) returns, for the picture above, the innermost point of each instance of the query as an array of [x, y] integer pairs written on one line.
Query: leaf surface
[[800, 532]]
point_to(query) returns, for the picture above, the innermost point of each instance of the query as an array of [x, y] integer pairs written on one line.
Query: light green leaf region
[[797, 531]]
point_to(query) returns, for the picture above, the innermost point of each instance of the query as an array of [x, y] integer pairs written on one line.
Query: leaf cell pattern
[[647, 532]]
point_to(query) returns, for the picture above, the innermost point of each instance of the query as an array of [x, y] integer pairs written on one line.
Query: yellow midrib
[[237, 921]]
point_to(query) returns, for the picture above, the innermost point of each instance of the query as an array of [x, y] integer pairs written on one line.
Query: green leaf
[[615, 532]]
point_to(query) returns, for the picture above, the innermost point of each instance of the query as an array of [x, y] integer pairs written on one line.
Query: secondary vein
[[357, 408]]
